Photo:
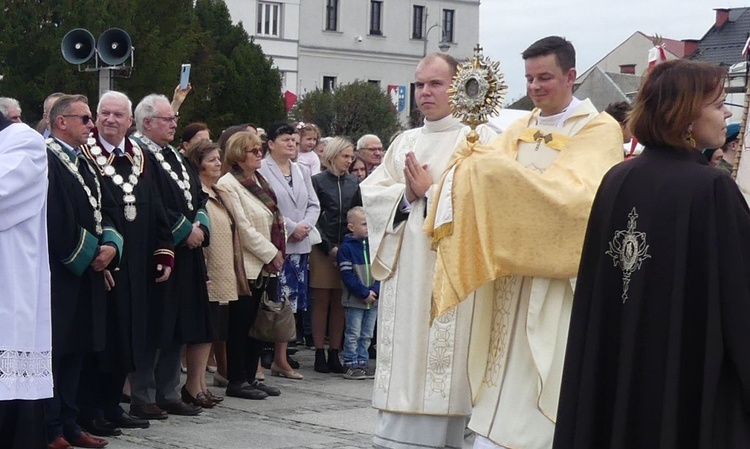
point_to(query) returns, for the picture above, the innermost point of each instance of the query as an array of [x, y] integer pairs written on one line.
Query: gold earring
[[689, 137]]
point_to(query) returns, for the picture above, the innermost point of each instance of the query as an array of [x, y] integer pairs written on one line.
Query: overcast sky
[[595, 27]]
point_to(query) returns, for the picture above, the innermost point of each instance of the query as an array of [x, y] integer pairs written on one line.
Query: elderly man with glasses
[[370, 150]]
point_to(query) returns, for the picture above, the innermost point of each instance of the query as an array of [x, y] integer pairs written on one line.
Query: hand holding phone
[[184, 76]]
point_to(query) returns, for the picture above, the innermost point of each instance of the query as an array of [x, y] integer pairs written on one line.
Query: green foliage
[[352, 110], [233, 81]]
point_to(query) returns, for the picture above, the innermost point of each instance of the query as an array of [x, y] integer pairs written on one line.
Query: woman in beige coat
[[262, 238]]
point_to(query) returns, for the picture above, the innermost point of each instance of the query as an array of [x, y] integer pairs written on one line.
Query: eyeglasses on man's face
[[373, 149], [171, 118], [84, 118]]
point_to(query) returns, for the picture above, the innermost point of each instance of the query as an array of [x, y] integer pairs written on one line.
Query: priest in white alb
[[421, 386]]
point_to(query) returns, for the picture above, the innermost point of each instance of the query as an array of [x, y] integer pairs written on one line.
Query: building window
[[376, 17], [329, 83], [269, 19], [332, 15], [417, 26], [375, 82], [448, 20]]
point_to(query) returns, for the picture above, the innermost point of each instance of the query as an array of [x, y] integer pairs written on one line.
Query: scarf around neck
[[265, 194]]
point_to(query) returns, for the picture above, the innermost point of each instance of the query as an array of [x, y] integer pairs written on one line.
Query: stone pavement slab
[[321, 411]]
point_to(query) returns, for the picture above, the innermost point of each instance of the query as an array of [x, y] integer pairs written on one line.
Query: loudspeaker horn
[[114, 46], [77, 46]]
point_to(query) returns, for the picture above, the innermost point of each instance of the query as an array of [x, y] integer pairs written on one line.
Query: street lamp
[[443, 45]]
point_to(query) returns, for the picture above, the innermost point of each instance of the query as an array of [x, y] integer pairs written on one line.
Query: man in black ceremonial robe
[[147, 261], [184, 311], [83, 242]]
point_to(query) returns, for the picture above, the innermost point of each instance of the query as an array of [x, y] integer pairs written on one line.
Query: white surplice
[[25, 322], [421, 368]]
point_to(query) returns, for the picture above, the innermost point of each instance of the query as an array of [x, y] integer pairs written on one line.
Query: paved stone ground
[[319, 412]]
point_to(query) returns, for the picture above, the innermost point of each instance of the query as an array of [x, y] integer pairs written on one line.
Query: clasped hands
[[418, 179], [300, 232]]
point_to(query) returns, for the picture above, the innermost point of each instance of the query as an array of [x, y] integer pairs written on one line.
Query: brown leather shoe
[[86, 440], [201, 400], [180, 408], [59, 443], [147, 411]]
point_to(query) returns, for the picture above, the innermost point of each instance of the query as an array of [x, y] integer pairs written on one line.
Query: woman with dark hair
[[260, 228], [299, 206], [193, 133], [358, 168], [658, 352], [205, 157]]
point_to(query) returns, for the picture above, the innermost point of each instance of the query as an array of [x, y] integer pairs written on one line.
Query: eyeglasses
[[84, 118], [373, 149], [172, 118], [255, 151]]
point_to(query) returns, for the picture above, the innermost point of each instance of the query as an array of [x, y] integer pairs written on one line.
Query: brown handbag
[[275, 321]]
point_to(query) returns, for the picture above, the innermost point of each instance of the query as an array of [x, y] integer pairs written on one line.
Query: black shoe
[[334, 364], [127, 421], [266, 359], [291, 348], [180, 408], [269, 390], [245, 390], [125, 398], [101, 428], [293, 363], [372, 353], [309, 342], [321, 365]]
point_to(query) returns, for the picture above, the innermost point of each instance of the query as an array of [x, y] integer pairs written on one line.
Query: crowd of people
[[530, 284], [161, 255]]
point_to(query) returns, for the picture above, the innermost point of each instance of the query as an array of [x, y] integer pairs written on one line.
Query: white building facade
[[320, 44]]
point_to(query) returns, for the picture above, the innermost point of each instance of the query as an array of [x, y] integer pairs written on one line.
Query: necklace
[[127, 187], [183, 184], [96, 203]]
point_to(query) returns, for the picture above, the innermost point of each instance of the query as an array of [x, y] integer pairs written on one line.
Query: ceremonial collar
[[125, 145], [447, 123], [67, 148]]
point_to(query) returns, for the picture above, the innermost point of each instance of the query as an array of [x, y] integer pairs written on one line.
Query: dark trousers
[[243, 352], [22, 424], [99, 392], [62, 409], [157, 376]]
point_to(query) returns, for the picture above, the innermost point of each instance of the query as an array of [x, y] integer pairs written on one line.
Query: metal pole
[[105, 80], [426, 35]]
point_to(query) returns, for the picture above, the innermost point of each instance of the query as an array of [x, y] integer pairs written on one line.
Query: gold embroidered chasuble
[[519, 211], [512, 219]]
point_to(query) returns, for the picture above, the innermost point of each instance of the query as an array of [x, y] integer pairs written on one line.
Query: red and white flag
[[656, 55]]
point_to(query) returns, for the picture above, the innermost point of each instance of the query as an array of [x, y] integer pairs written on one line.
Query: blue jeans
[[360, 324]]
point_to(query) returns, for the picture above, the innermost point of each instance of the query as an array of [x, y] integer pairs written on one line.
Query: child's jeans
[[360, 324]]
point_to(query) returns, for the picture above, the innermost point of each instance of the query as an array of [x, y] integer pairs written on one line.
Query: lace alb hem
[[25, 369]]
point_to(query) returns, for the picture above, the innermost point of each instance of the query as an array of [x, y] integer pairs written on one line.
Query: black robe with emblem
[[183, 314], [148, 240], [78, 301], [658, 353]]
